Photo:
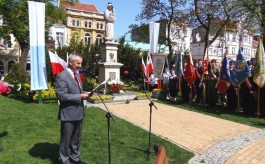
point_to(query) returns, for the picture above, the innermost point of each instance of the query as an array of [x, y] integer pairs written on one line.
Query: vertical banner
[[37, 45], [153, 36]]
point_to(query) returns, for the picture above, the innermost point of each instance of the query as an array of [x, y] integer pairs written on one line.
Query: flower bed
[[114, 86]]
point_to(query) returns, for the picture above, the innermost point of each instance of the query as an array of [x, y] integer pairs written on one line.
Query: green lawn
[[29, 133]]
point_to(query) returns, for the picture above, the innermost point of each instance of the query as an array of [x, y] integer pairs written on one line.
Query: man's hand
[[84, 96]]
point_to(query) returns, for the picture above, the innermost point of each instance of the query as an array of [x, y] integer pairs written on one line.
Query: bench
[[161, 157]]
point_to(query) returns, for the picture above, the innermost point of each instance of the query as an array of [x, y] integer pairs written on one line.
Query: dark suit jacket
[[68, 94]]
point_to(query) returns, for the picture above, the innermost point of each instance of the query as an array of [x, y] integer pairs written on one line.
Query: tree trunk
[[24, 58]]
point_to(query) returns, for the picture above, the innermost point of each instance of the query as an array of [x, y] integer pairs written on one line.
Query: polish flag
[[149, 65], [144, 71], [189, 73], [58, 64]]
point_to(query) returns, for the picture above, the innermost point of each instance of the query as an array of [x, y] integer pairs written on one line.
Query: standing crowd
[[204, 91]]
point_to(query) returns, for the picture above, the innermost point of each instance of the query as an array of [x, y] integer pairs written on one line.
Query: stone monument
[[109, 68]]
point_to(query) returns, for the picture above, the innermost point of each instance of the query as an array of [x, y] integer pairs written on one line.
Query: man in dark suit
[[70, 94]]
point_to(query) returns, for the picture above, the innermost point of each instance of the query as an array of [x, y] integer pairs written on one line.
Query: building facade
[[231, 40], [9, 52], [83, 22]]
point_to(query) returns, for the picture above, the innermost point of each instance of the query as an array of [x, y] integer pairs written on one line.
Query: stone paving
[[212, 140]]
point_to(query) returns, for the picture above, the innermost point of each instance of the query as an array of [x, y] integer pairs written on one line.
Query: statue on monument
[[110, 17]]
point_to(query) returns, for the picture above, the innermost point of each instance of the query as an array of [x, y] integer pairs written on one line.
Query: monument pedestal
[[109, 71], [109, 68]]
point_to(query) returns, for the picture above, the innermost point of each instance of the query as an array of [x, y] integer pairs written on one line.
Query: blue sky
[[126, 11]]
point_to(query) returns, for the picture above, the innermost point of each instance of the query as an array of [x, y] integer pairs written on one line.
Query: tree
[[16, 22], [168, 10], [256, 8], [225, 13], [129, 57]]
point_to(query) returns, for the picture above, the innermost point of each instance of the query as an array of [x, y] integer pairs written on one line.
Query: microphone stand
[[108, 116], [151, 104]]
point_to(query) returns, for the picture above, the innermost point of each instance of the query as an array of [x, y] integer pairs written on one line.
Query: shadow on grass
[[3, 134], [46, 151], [27, 99]]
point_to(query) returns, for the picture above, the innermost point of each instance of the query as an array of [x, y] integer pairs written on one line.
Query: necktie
[[77, 81]]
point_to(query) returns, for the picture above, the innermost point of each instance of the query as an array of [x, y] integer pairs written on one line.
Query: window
[[97, 25], [7, 42], [184, 47], [1, 68], [89, 25], [99, 39], [101, 26], [10, 65], [210, 51], [233, 50], [59, 38], [87, 38], [234, 38], [73, 23], [86, 25], [227, 37], [77, 23]]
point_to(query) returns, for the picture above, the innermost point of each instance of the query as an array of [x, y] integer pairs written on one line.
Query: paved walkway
[[211, 139]]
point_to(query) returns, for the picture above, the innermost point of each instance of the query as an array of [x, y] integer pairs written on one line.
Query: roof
[[80, 7]]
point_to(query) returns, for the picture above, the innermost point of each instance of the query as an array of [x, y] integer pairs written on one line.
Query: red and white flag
[[58, 64], [144, 71], [189, 73], [149, 65]]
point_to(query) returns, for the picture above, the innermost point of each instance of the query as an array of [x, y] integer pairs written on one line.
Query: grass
[[221, 112], [29, 133]]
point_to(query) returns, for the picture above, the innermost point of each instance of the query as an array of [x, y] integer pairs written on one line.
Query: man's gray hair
[[73, 56]]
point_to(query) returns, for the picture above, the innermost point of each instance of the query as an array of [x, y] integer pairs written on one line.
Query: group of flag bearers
[[235, 83]]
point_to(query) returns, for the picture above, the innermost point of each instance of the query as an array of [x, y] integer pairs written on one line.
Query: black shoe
[[77, 162]]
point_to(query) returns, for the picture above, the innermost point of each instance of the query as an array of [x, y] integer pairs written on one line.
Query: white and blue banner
[[37, 45], [153, 36]]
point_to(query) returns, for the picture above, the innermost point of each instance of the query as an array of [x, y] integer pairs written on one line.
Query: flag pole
[[238, 97], [258, 106]]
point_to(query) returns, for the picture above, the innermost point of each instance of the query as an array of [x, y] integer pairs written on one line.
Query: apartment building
[[83, 22], [9, 52], [231, 39]]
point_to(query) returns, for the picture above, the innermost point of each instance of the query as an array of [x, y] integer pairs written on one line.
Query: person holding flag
[[258, 74], [197, 82], [240, 73], [231, 90], [211, 92], [189, 73]]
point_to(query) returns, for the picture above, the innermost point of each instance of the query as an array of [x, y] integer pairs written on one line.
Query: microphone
[[97, 88], [127, 73]]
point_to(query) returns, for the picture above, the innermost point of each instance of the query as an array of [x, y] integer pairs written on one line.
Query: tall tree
[[256, 8], [212, 12], [16, 22], [168, 10]]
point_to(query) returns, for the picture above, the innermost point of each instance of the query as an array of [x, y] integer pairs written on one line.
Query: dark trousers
[[231, 98], [199, 94], [71, 133]]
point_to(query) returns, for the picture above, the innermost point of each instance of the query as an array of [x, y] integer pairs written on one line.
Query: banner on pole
[[153, 35], [37, 45]]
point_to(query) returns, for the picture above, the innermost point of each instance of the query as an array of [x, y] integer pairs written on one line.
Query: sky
[[126, 11]]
